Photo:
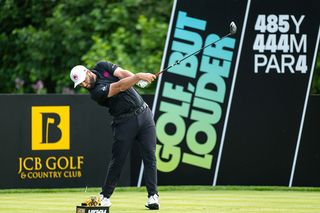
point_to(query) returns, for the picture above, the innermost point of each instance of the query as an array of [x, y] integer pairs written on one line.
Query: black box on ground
[[92, 209]]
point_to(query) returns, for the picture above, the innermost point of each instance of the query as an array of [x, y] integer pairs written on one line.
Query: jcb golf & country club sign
[[50, 126]]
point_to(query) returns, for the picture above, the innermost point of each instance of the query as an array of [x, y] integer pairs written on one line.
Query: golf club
[[232, 31]]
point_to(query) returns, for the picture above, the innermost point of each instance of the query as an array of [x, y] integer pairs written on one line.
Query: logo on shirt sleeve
[[106, 74]]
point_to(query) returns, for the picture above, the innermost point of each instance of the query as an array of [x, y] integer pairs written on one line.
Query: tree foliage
[[40, 41], [315, 88]]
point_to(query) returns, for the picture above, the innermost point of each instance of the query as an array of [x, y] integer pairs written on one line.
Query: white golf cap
[[78, 74]]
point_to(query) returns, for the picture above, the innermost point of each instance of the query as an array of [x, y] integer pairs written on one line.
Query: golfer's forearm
[[125, 83], [128, 82], [121, 73]]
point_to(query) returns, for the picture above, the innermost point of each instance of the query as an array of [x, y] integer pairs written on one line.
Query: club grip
[[142, 83]]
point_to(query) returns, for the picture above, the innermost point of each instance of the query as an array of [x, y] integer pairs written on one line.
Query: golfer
[[111, 86]]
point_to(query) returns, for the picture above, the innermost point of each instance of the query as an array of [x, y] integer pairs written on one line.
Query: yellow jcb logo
[[50, 128]]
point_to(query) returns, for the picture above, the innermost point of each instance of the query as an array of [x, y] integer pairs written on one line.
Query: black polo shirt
[[121, 103]]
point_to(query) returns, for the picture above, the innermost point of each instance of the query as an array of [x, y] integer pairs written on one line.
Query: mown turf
[[173, 200]]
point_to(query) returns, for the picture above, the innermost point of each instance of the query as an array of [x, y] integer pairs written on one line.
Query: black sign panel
[[232, 113], [192, 97], [269, 96], [55, 141]]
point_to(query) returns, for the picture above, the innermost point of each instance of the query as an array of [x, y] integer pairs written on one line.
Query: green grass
[[183, 199]]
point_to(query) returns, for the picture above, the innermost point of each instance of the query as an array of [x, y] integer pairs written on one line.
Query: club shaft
[[194, 53]]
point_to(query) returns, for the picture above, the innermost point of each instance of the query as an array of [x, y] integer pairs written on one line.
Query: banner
[[191, 98], [55, 141], [271, 93], [239, 101]]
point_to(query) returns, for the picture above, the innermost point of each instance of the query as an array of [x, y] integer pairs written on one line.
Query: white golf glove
[[142, 83]]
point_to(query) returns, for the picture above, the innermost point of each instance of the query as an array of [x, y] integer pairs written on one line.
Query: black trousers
[[126, 131]]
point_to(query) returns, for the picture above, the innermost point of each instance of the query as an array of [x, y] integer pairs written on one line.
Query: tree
[[41, 41], [315, 88]]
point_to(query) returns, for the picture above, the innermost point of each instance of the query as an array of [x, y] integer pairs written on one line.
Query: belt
[[134, 112]]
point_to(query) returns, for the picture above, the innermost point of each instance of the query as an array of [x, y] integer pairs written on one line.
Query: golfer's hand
[[148, 77], [145, 79]]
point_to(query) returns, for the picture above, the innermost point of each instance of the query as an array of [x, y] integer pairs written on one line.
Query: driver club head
[[233, 28]]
